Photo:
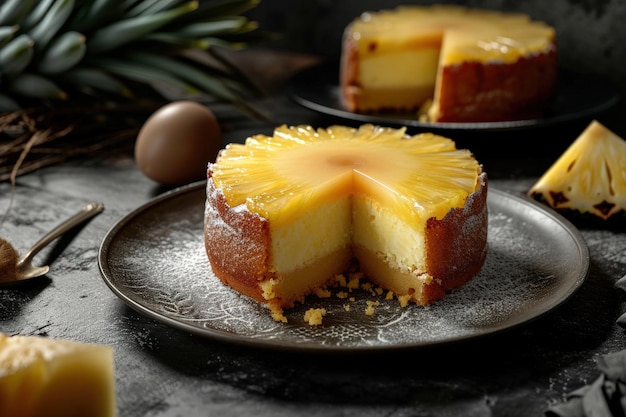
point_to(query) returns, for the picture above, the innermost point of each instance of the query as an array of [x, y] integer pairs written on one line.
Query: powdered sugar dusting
[[214, 225]]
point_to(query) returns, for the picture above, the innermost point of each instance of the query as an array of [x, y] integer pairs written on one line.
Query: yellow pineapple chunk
[[301, 167], [55, 378], [589, 179]]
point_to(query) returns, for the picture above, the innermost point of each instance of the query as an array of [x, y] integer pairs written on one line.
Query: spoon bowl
[[25, 270]]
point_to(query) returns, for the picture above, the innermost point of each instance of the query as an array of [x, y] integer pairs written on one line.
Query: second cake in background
[[449, 64]]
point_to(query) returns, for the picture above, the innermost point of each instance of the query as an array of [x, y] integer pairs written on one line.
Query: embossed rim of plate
[[527, 209]]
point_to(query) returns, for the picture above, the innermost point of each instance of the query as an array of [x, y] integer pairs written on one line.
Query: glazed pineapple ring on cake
[[454, 64], [286, 213]]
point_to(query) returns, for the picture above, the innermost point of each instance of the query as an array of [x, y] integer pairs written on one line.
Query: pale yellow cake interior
[[385, 244]]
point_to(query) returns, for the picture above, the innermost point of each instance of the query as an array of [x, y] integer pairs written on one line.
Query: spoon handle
[[86, 213]]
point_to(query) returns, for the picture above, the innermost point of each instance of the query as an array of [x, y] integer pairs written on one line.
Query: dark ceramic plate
[[154, 260], [579, 98]]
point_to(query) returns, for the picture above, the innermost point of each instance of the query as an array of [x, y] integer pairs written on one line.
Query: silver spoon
[[24, 269]]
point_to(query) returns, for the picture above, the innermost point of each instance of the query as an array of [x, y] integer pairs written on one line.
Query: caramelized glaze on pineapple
[[300, 167], [477, 34]]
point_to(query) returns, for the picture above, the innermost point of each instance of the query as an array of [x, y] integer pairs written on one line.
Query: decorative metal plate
[[154, 260]]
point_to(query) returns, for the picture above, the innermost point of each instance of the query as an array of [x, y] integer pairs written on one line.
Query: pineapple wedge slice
[[301, 167], [55, 378], [588, 181]]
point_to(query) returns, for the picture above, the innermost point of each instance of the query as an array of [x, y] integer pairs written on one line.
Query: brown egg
[[177, 142]]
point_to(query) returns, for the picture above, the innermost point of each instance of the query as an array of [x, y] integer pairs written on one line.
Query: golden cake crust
[[237, 243], [495, 92], [457, 244]]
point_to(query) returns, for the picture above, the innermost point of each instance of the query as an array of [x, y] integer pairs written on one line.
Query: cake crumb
[[389, 295], [277, 314], [322, 292], [314, 316], [346, 307], [404, 300], [357, 275], [342, 294], [353, 283], [369, 287], [352, 299], [369, 310], [340, 280]]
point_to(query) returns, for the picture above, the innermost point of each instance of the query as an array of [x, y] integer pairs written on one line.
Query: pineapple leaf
[[96, 13], [7, 104], [35, 15], [128, 30], [14, 10], [16, 55], [95, 79], [74, 47], [138, 71], [51, 23], [64, 52], [185, 72], [150, 7], [208, 28], [218, 8], [6, 33], [208, 79], [37, 86], [236, 72], [176, 42]]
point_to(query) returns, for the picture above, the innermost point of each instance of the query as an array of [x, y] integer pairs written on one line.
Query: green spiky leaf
[[43, 39]]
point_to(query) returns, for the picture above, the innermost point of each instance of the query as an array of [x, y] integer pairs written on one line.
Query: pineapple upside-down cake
[[286, 213]]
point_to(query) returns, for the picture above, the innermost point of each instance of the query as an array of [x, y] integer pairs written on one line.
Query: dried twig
[[32, 139]]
